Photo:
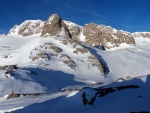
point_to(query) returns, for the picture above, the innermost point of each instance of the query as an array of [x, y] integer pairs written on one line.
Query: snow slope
[[116, 101], [38, 56], [53, 68], [130, 62]]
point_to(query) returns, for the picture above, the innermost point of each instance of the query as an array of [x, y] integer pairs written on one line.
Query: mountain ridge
[[104, 36]]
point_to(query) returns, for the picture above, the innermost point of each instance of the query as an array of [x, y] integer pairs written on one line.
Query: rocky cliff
[[92, 34], [105, 36], [55, 26]]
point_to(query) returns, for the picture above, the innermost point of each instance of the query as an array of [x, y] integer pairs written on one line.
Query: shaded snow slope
[[125, 97]]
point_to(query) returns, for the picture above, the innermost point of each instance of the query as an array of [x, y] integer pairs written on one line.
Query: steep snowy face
[[55, 26], [74, 29], [141, 34], [27, 28], [105, 36]]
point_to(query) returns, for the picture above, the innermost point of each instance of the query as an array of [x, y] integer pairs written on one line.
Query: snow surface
[[62, 86], [81, 36], [132, 61], [70, 24]]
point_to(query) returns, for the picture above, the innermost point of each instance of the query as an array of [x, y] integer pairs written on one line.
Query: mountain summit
[[55, 26]]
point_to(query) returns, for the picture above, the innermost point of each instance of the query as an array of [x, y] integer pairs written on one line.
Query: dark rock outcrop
[[16, 95], [55, 26], [8, 68], [70, 63], [101, 92], [56, 49], [106, 36], [41, 55]]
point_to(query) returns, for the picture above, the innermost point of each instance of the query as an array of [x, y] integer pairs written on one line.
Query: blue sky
[[129, 15]]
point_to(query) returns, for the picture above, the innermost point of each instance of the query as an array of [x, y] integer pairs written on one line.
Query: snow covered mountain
[[92, 34], [27, 28], [105, 36], [142, 34], [57, 66]]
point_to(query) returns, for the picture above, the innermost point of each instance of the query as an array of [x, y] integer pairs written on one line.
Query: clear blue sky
[[129, 15]]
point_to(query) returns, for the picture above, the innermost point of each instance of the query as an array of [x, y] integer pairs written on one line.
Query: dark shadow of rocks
[[103, 62]]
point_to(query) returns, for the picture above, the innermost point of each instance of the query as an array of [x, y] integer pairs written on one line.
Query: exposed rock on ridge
[[142, 34], [106, 36], [74, 29], [55, 26], [27, 28], [91, 33]]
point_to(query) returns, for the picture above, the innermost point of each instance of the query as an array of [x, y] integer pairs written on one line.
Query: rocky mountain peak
[[105, 36], [27, 28], [55, 26], [53, 17]]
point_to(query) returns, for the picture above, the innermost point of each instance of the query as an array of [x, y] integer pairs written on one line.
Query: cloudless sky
[[129, 15]]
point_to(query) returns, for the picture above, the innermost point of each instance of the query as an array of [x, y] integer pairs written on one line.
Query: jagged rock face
[[74, 29], [91, 34], [55, 26], [106, 36], [27, 28], [142, 34]]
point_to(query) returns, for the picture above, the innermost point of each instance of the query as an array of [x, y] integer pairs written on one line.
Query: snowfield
[[48, 75]]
